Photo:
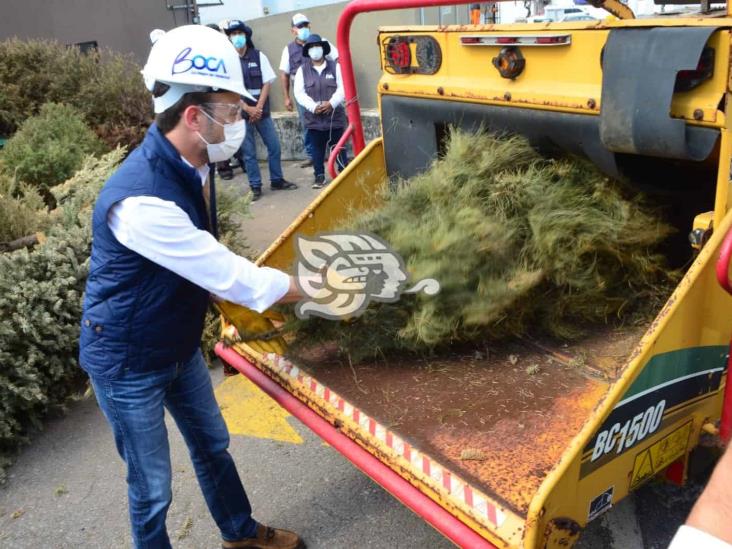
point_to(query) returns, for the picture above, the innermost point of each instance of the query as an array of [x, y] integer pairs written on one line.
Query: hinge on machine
[[701, 230]]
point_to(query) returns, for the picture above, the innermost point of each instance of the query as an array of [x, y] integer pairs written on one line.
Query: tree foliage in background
[[41, 297], [520, 244], [22, 210], [49, 147], [105, 86], [40, 308]]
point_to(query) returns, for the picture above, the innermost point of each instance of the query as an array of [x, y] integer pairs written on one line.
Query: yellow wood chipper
[[646, 101]]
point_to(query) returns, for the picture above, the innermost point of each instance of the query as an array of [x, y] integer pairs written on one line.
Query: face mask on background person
[[303, 33], [239, 41], [316, 53], [234, 134]]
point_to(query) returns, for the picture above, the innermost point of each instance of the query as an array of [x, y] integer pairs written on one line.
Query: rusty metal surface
[[499, 417]]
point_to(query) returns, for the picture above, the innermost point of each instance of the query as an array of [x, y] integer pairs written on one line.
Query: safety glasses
[[228, 113], [302, 25]]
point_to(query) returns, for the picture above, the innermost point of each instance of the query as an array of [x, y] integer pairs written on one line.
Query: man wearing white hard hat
[[290, 61], [154, 266]]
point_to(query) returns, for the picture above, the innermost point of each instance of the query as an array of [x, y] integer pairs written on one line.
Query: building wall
[[122, 25], [231, 9], [273, 7], [273, 33]]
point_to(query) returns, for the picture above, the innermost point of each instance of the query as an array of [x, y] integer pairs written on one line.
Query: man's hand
[[258, 330], [324, 107], [253, 113], [288, 104]]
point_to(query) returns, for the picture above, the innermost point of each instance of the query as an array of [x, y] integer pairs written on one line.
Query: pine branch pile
[[520, 244]]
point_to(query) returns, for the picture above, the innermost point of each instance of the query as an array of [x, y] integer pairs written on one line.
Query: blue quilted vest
[[137, 315]]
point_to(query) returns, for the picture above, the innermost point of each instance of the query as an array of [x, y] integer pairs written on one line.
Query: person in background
[[319, 89], [289, 63], [223, 168], [258, 77], [155, 266]]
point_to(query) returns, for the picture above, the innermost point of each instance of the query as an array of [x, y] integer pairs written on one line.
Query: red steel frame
[[344, 59], [723, 263], [445, 523]]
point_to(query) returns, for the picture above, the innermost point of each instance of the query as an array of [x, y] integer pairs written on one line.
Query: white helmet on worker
[[191, 58]]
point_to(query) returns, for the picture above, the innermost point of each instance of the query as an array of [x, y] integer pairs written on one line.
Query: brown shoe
[[268, 538]]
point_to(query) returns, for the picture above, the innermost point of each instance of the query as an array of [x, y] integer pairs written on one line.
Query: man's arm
[[285, 77], [300, 95], [333, 51], [263, 96], [708, 525], [285, 81], [268, 75], [340, 94], [162, 232], [712, 512]]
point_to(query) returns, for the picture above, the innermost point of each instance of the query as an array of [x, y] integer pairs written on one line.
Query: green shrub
[[41, 297], [22, 210], [49, 147], [105, 86], [40, 308]]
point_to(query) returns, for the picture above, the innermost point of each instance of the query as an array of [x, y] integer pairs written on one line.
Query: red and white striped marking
[[440, 479]]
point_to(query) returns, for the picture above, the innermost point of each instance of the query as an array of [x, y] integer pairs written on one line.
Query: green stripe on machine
[[667, 368]]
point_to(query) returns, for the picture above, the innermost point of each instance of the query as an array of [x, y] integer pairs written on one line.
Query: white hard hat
[[299, 18], [192, 58]]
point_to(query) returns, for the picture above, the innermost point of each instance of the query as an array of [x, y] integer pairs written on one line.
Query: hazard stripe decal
[[439, 478]]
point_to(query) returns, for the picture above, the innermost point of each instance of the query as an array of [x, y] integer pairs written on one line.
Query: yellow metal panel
[[566, 78], [355, 189], [698, 313], [722, 198]]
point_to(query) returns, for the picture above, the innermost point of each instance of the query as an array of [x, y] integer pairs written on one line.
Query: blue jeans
[[322, 142], [133, 404], [266, 129], [305, 136]]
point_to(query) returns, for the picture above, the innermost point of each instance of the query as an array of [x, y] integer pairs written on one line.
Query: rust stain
[[465, 94], [518, 404]]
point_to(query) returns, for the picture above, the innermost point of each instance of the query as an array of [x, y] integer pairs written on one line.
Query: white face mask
[[234, 134], [316, 53]]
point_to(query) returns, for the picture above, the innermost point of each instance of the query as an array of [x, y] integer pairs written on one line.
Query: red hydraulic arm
[[448, 525], [723, 264]]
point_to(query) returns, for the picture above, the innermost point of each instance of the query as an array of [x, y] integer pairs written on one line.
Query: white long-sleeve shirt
[[162, 232], [306, 101], [688, 537]]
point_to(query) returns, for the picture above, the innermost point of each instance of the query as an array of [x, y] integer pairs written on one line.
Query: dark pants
[[247, 153], [305, 138], [321, 143], [134, 405]]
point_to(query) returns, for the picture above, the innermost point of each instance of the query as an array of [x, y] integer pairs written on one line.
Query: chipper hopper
[[485, 452]]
